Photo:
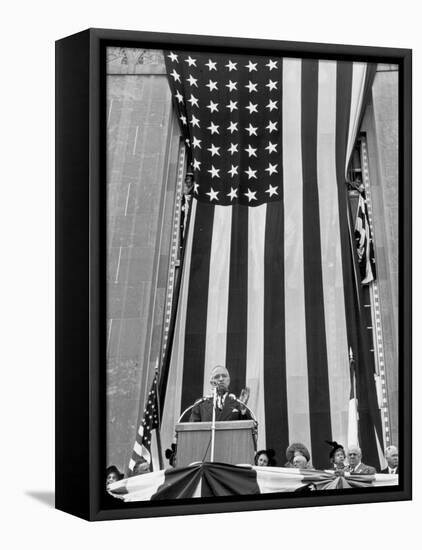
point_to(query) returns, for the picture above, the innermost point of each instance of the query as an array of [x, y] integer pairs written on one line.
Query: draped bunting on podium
[[213, 479], [268, 279]]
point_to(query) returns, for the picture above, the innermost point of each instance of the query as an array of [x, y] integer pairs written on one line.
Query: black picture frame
[[81, 265]]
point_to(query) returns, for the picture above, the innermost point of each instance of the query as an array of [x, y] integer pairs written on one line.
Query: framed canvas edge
[[72, 365], [93, 454]]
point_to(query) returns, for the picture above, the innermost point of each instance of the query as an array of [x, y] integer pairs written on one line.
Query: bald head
[[220, 378], [354, 455], [392, 456]]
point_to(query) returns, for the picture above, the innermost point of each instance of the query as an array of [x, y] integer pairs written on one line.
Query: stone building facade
[[145, 170]]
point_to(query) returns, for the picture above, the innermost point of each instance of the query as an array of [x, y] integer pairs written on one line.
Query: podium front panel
[[234, 443]]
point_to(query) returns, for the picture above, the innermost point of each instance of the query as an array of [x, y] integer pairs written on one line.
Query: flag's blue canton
[[230, 112]]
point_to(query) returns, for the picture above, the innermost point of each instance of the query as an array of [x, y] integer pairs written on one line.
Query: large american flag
[[268, 277]]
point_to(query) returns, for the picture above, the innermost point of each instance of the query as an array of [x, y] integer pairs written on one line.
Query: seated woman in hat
[[170, 454], [113, 475], [337, 456], [265, 457], [298, 456]]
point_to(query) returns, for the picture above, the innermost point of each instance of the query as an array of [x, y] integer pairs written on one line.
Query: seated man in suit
[[227, 406], [392, 458], [356, 466]]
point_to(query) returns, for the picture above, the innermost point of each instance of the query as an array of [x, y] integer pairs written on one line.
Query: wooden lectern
[[234, 442]]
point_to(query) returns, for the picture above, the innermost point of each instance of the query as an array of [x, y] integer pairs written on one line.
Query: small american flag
[[150, 422]]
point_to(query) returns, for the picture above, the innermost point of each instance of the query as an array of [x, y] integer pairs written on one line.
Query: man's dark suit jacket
[[386, 470], [202, 411], [363, 469]]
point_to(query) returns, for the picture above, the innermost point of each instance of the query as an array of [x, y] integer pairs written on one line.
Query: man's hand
[[243, 398], [244, 395]]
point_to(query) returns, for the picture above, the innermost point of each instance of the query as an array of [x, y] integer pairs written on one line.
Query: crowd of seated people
[[297, 456], [340, 460]]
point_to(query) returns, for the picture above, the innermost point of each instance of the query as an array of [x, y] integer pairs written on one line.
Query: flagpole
[[353, 423], [157, 431], [214, 404], [160, 450]]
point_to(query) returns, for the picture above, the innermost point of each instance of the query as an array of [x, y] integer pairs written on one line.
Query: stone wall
[[142, 152]]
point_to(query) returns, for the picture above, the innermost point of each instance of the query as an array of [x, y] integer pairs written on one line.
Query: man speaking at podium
[[227, 406]]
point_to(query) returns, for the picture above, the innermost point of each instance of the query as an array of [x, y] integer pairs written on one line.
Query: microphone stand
[[197, 402], [214, 404]]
